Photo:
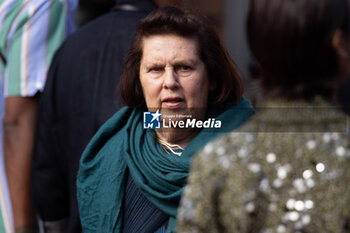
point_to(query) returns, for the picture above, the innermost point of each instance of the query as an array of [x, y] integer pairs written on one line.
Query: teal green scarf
[[122, 143]]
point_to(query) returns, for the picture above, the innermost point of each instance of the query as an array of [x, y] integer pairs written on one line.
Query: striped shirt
[[5, 213], [30, 33]]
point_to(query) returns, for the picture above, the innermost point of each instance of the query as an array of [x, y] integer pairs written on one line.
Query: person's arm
[[31, 43], [19, 122], [198, 211], [221, 192]]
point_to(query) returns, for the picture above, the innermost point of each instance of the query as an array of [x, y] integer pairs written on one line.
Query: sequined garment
[[296, 179]]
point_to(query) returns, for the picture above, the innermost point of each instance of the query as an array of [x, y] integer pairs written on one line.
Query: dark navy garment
[[140, 215]]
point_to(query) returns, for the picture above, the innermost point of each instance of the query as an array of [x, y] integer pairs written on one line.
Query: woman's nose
[[170, 79]]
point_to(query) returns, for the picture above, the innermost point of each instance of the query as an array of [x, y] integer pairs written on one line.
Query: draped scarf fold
[[121, 144]]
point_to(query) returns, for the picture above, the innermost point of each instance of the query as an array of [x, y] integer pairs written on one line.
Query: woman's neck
[[177, 136]]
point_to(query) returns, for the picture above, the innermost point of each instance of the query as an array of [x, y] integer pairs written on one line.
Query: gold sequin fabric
[[292, 178]]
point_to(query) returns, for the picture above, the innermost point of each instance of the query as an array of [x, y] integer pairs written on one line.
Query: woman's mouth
[[172, 102]]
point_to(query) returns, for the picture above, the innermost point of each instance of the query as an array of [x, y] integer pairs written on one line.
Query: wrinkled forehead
[[192, 39], [171, 45]]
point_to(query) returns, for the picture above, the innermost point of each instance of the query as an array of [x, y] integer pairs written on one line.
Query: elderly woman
[[131, 178], [288, 169]]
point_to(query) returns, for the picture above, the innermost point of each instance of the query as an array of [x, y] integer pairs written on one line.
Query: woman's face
[[173, 77]]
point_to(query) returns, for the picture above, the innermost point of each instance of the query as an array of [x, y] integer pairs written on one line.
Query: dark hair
[[170, 20], [292, 41]]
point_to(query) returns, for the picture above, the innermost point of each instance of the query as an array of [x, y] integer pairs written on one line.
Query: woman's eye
[[184, 68], [156, 69]]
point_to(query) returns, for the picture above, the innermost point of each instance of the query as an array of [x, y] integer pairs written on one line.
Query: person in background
[[30, 33], [287, 169], [91, 9], [130, 179], [88, 10], [79, 97]]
